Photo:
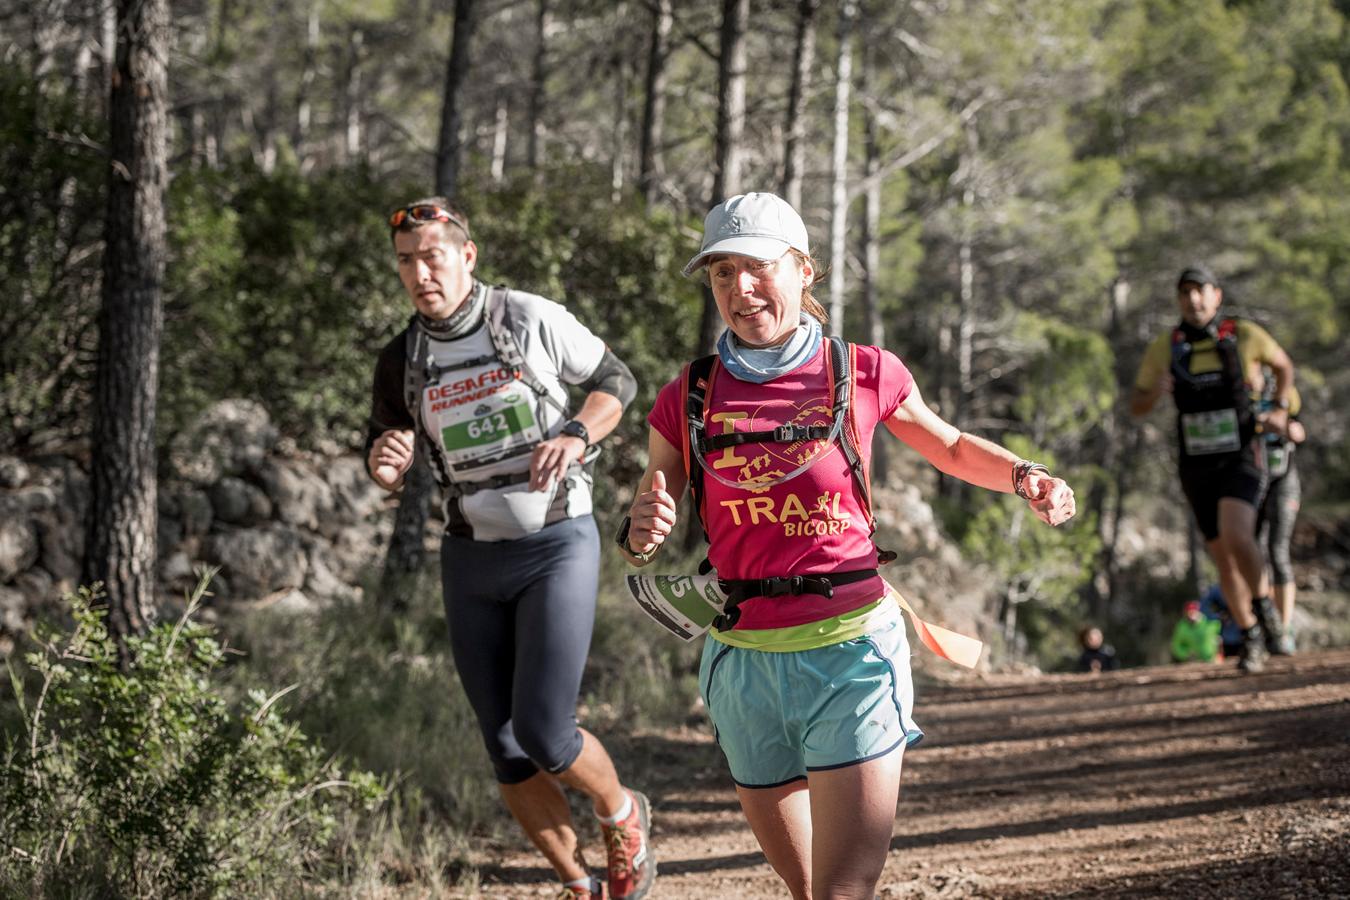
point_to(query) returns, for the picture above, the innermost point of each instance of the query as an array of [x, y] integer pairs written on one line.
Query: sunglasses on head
[[425, 212]]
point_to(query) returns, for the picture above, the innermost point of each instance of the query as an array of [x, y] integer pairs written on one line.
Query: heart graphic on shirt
[[773, 459]]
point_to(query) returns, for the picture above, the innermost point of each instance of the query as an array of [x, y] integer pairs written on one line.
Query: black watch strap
[[622, 540], [573, 428]]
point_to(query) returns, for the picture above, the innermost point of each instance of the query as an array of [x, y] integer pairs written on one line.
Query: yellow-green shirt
[[1255, 347]]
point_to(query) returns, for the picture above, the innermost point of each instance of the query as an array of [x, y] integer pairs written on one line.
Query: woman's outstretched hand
[[1051, 498]]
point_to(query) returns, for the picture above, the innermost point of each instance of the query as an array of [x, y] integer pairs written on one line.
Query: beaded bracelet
[[1021, 469]]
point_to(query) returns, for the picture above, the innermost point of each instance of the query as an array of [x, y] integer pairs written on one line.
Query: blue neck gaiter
[[758, 365]]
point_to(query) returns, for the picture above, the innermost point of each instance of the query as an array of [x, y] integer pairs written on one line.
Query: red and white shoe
[[631, 864], [595, 891]]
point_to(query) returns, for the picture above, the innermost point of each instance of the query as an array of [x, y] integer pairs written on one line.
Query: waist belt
[[739, 590], [487, 484]]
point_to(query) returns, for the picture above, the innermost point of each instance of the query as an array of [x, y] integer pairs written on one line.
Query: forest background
[[1003, 192]]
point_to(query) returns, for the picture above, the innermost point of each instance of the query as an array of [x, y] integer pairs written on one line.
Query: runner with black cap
[[1209, 363]]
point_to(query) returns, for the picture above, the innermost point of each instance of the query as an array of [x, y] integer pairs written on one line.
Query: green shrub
[[381, 688], [137, 776]]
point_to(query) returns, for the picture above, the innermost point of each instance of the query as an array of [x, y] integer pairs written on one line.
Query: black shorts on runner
[[1238, 476]]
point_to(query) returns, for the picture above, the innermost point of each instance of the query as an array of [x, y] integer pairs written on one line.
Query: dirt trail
[[1180, 781]]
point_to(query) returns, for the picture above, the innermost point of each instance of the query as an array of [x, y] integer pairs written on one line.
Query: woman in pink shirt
[[806, 676]]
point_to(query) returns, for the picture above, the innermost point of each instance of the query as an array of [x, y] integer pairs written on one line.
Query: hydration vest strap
[[414, 383], [507, 348], [697, 383], [785, 434], [844, 360], [431, 370], [739, 590]]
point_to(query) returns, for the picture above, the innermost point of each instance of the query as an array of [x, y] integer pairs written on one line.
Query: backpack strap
[[843, 365], [416, 370], [504, 343], [696, 383], [1226, 343]]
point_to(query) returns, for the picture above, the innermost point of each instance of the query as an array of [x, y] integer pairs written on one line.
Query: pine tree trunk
[[803, 61], [352, 96], [501, 130], [538, 92], [871, 250], [730, 127], [839, 167], [620, 136], [121, 551], [654, 105], [965, 329], [448, 149], [1108, 451], [304, 105]]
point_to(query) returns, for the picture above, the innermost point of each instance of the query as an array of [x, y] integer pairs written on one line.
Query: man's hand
[[1275, 421], [390, 457], [652, 517], [552, 457], [1051, 499]]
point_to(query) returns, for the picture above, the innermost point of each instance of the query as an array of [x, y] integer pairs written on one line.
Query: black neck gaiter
[[462, 321]]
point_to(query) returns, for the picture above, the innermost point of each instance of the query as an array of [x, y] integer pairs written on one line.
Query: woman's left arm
[[976, 460]]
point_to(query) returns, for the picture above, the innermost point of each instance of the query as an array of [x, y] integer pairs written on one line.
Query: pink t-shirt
[[813, 524]]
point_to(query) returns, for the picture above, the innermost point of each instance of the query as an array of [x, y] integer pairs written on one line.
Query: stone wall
[[284, 528]]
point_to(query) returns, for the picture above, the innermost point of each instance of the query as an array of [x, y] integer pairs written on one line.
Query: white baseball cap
[[762, 226]]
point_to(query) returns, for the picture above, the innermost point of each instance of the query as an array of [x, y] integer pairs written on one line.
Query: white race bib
[[481, 413], [1277, 458], [1215, 431]]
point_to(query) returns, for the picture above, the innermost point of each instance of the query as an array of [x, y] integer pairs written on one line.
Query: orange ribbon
[[953, 647]]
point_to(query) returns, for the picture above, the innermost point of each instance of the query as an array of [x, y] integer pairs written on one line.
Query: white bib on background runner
[[1215, 431]]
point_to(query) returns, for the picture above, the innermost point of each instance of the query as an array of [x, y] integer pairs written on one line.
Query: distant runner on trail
[[479, 380], [1097, 656], [1208, 363], [1279, 510], [806, 675]]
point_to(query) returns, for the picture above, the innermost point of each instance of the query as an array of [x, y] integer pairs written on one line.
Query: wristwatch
[[622, 540], [573, 428]]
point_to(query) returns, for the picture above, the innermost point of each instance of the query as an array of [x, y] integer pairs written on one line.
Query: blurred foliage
[[1034, 563], [280, 288], [139, 776], [1067, 150], [51, 229]]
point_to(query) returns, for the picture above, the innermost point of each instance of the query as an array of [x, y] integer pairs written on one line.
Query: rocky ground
[[1177, 781]]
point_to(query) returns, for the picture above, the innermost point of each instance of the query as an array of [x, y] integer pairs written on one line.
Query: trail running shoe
[[632, 866], [1253, 657], [1278, 640], [595, 892]]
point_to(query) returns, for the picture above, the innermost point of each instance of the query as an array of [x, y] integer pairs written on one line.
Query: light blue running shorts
[[777, 716]]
